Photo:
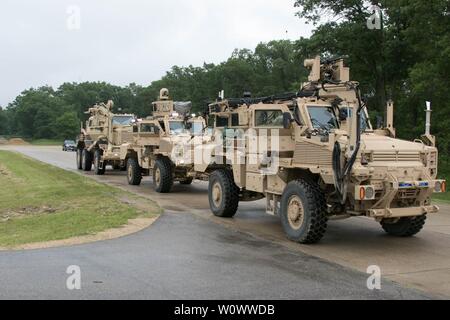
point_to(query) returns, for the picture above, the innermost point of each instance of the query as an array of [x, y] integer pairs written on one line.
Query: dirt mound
[[18, 142]]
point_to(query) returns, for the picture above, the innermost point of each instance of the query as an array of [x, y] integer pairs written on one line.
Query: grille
[[396, 156], [127, 137], [408, 194], [308, 153]]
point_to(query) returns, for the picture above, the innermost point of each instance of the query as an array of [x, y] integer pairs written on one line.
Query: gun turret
[[164, 94], [102, 109], [164, 106], [327, 71]]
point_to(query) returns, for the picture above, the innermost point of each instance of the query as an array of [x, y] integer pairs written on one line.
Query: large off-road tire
[[99, 168], [162, 175], [86, 160], [187, 181], [223, 194], [134, 172], [405, 227], [303, 212], [79, 158]]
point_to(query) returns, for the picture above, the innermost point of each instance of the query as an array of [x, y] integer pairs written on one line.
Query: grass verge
[[39, 203], [442, 197]]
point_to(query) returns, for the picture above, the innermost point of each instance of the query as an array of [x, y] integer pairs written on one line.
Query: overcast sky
[[124, 41]]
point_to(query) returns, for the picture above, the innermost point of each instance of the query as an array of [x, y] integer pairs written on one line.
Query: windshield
[[122, 121], [177, 127], [323, 118], [69, 142], [346, 113], [197, 128], [365, 122]]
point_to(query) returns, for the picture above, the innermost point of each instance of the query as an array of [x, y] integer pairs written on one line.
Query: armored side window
[[221, 122], [149, 128], [235, 120], [210, 121], [269, 118]]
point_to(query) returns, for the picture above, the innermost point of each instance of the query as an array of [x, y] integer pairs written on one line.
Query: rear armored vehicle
[[99, 142]]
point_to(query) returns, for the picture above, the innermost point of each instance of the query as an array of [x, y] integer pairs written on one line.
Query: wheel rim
[[130, 173], [217, 194], [295, 212], [157, 176]]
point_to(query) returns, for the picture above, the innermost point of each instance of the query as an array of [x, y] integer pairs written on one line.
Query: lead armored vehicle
[[314, 155]]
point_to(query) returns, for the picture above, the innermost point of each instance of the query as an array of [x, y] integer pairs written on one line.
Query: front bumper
[[393, 189], [402, 212], [397, 193]]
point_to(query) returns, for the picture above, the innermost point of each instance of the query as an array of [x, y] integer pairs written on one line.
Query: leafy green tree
[[67, 125], [34, 112], [407, 60], [4, 123]]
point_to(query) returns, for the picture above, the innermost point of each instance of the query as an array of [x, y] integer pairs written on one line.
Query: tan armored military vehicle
[[314, 156], [99, 143], [162, 145]]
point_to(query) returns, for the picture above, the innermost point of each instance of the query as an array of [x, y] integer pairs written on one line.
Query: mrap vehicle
[[322, 159], [163, 145], [99, 142]]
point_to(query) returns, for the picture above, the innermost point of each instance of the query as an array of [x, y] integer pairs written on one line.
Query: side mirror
[[287, 120], [343, 114]]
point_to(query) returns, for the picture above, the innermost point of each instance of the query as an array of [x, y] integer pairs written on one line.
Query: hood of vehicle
[[376, 143], [386, 151]]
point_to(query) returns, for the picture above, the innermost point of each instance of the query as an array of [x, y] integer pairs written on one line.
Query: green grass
[[40, 203], [46, 142]]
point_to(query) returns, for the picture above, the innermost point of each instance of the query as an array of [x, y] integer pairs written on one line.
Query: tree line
[[406, 60], [46, 112]]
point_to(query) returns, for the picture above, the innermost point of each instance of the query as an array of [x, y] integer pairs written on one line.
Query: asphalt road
[[188, 254]]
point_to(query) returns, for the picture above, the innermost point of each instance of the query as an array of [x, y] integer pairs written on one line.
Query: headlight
[[440, 187], [370, 193]]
